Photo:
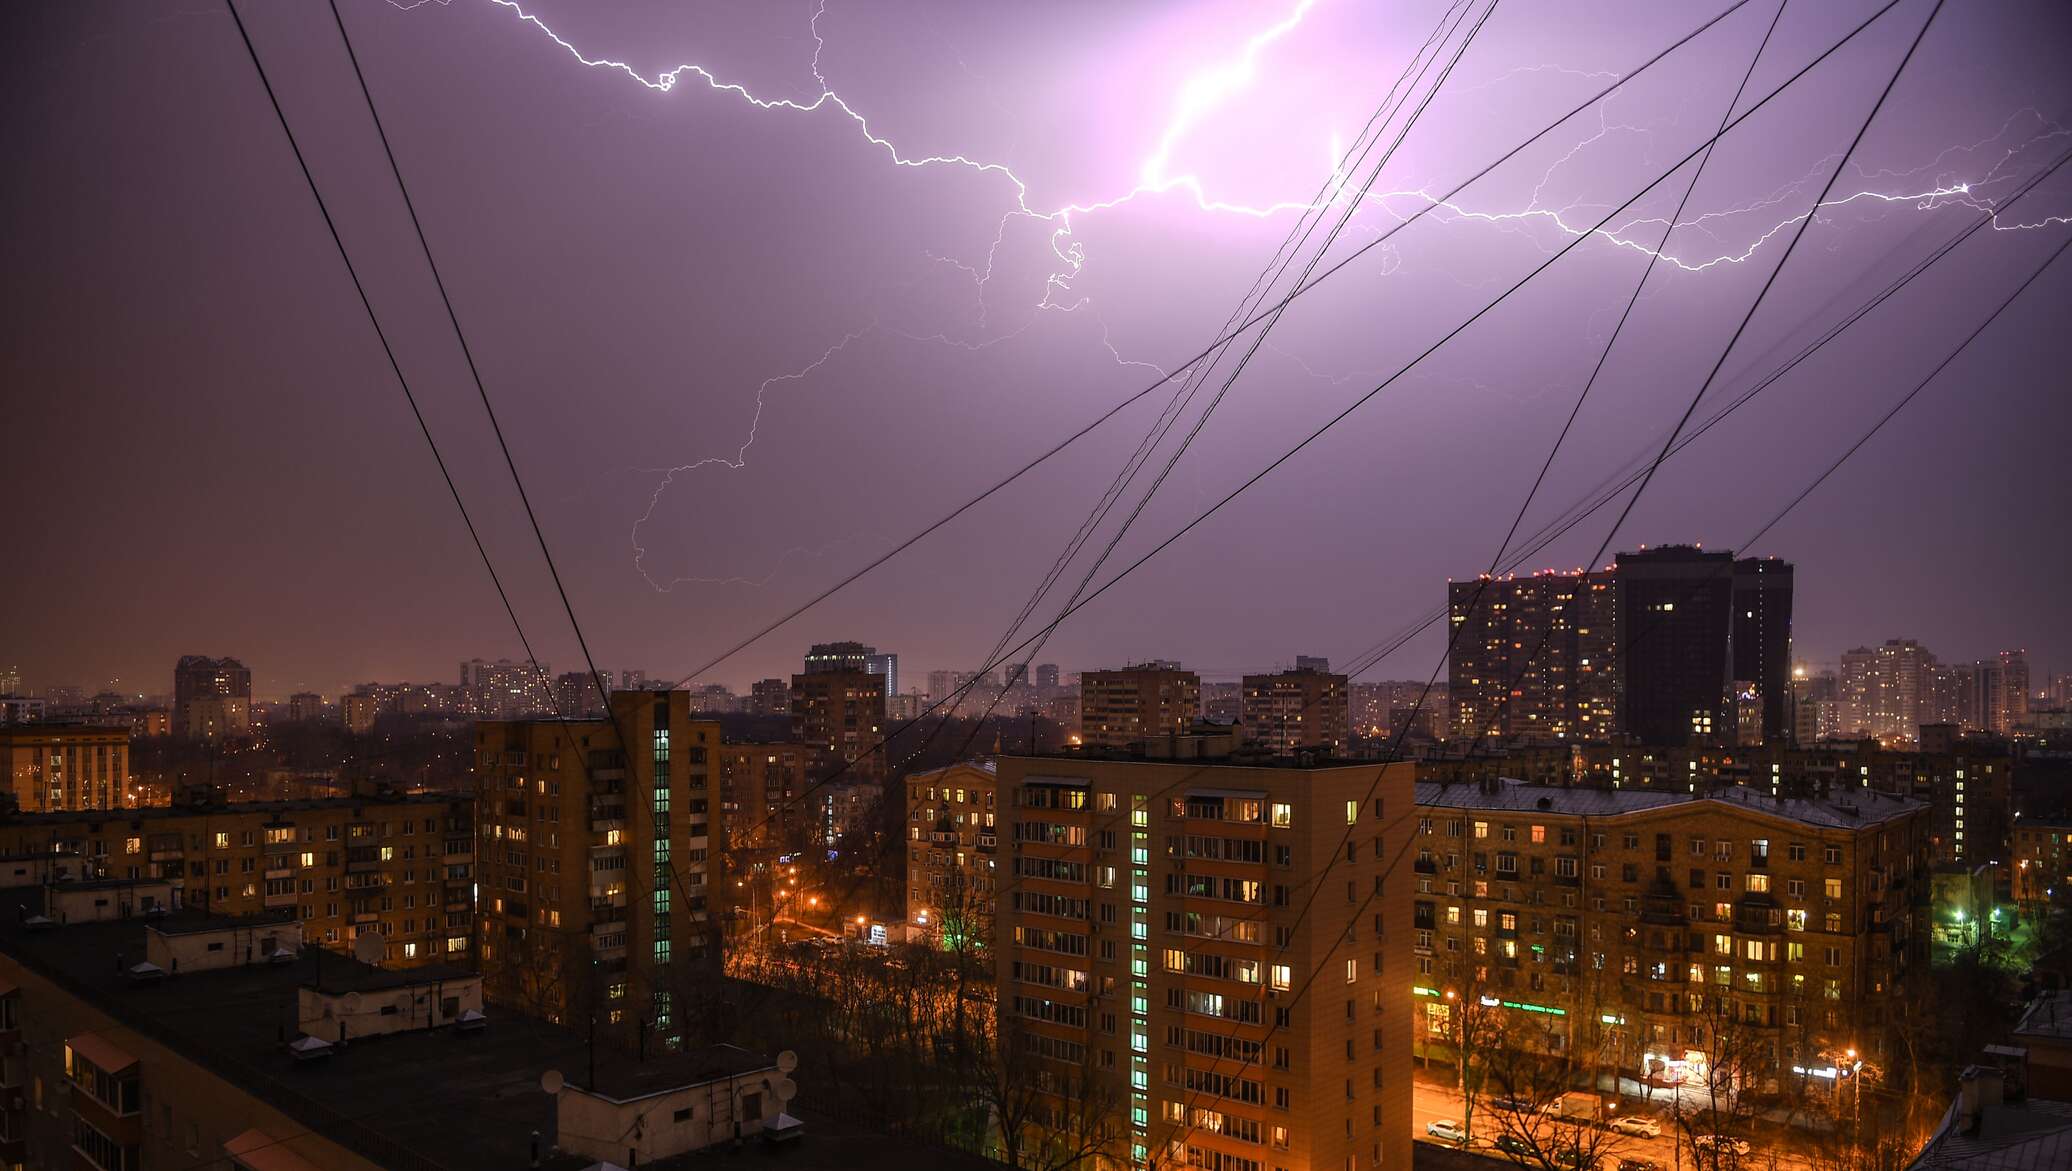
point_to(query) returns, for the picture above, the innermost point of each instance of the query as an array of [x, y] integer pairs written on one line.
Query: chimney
[[1979, 1089]]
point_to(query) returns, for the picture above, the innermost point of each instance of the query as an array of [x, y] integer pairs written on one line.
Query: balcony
[[987, 842], [359, 917], [280, 900]]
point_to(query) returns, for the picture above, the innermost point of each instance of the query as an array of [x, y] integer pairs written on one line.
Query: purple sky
[[207, 454]]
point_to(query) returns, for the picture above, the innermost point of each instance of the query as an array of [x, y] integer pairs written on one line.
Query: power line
[[1754, 305], [1363, 399], [1259, 338], [1118, 408]]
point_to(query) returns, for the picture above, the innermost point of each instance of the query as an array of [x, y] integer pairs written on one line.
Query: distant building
[[1675, 612], [53, 767], [22, 709], [1533, 658], [1304, 710], [839, 656], [761, 786], [1146, 701], [212, 698], [952, 843], [1222, 703], [886, 667], [395, 866], [841, 714], [769, 697], [305, 707], [1046, 677], [359, 711]]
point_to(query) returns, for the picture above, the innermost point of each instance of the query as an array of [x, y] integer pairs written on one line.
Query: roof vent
[[1544, 803]]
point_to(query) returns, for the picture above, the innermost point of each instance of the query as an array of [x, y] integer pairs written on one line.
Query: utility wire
[[1126, 571], [1183, 367]]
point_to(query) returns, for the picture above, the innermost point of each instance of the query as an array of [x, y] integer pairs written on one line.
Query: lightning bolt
[[1194, 104]]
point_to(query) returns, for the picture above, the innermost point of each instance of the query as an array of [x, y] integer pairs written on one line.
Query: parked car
[[1715, 1143], [1511, 1144], [1517, 1106], [1637, 1164], [1636, 1126], [1448, 1130]]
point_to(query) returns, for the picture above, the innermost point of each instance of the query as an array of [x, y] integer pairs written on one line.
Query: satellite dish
[[550, 1081], [786, 1089], [787, 1061], [369, 948]]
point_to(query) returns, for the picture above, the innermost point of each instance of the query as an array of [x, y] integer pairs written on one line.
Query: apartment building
[[1644, 930], [1209, 950], [1304, 710], [761, 785], [596, 861], [2042, 865], [1145, 701], [952, 850], [53, 767], [395, 865], [840, 712]]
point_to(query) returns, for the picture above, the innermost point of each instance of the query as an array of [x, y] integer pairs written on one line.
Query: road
[[1429, 1103]]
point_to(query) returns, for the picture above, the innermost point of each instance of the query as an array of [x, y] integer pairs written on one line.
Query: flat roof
[[1860, 807], [142, 813], [418, 1101], [183, 923]]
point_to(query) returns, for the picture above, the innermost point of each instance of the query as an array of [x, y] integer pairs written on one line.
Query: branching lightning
[[1194, 106]]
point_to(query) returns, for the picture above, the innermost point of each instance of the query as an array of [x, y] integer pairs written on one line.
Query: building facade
[[212, 698], [1532, 657], [1304, 710], [1659, 934], [952, 852], [1119, 708], [387, 864], [598, 864], [65, 767], [840, 713], [1171, 949]]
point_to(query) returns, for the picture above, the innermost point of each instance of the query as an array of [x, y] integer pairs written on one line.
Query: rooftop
[[144, 813], [185, 923], [2016, 1136], [2048, 1017], [417, 1101], [1860, 807]]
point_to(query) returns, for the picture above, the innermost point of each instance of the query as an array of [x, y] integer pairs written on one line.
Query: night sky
[[832, 342]]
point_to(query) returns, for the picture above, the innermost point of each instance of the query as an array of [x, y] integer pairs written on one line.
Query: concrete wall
[[231, 947], [670, 1122], [386, 1010], [77, 904]]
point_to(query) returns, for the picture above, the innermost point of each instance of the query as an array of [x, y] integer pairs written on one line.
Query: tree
[[1529, 1073], [1048, 1114], [1738, 1055]]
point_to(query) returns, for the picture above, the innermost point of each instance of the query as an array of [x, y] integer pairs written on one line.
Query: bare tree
[[1531, 1075], [1048, 1114]]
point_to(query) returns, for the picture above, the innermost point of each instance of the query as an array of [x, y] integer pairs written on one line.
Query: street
[[1431, 1102]]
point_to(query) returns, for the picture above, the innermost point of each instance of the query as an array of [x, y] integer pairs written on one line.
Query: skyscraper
[[1675, 644], [1532, 657], [886, 667], [2011, 702], [1762, 641]]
